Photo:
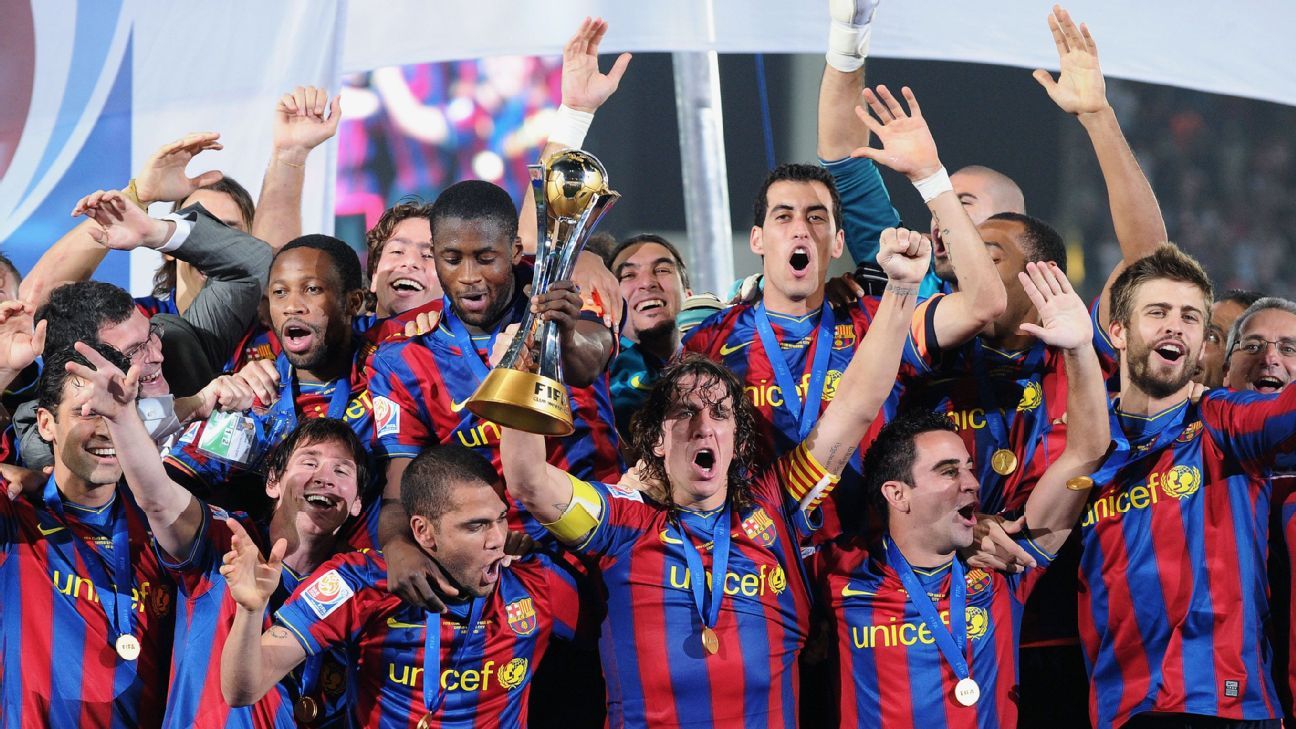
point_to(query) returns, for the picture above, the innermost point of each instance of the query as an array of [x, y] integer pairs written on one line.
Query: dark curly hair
[[686, 374]]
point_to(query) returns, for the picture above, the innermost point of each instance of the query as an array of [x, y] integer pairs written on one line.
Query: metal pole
[[702, 162]]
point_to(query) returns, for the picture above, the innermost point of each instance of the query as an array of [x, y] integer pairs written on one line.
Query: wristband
[[569, 127], [132, 193], [848, 46], [578, 520], [932, 186]]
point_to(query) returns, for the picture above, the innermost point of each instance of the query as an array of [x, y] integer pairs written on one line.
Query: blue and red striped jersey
[[657, 670], [888, 671], [204, 614], [58, 644], [153, 304], [1173, 590], [345, 604], [730, 338], [419, 386]]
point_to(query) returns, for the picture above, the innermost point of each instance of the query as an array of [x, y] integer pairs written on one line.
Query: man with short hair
[[654, 283], [1215, 353], [467, 667], [708, 606], [87, 607], [399, 253], [1179, 520]]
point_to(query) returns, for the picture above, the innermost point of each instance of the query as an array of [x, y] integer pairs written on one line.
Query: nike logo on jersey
[[637, 383], [848, 592], [457, 406], [394, 624], [47, 532], [726, 350]]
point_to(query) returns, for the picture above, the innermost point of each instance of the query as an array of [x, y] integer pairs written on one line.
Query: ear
[[45, 424], [658, 449], [755, 241], [273, 487], [896, 494], [1116, 331], [424, 534], [355, 301], [838, 243], [517, 249], [356, 506]]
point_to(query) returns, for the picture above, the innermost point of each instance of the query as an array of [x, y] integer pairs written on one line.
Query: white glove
[[849, 33]]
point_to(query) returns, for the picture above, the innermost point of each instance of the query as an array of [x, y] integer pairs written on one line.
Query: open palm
[[1064, 319], [584, 88], [1080, 87]]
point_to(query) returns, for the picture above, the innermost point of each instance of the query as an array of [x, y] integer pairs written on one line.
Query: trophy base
[[523, 401]]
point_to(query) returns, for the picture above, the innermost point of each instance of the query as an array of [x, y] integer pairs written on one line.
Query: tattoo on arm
[[562, 508], [902, 292], [830, 462], [279, 632]]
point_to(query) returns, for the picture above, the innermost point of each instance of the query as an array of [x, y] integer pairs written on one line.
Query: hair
[[8, 265], [1262, 304], [893, 453], [49, 388], [603, 245], [1167, 262], [165, 278], [428, 483], [1242, 297], [650, 238], [376, 238], [311, 431], [647, 425], [1043, 243], [796, 173], [478, 201], [75, 312], [345, 261]]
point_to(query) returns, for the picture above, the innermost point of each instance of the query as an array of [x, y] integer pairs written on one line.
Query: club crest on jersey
[[1032, 396], [978, 580], [521, 618], [327, 593], [1181, 482], [830, 384], [386, 416], [978, 622], [513, 674], [1193, 430], [760, 528], [844, 337]]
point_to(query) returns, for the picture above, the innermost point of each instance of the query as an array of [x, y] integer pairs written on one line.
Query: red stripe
[[1123, 629]]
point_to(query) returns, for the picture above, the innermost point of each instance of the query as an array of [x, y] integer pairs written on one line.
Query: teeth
[[104, 452], [649, 304], [405, 283], [318, 500]]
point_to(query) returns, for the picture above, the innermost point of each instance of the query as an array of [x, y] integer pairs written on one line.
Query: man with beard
[[471, 666], [313, 477], [1174, 598], [654, 282], [87, 607], [313, 295]]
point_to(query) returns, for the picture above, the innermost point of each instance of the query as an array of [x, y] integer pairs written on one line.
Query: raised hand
[[904, 255], [122, 225], [907, 144], [252, 579], [301, 122], [163, 177], [583, 87], [20, 342], [1080, 88], [1064, 319], [105, 390]]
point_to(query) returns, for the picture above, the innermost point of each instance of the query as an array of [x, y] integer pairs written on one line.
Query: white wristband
[[569, 127], [848, 46], [932, 186]]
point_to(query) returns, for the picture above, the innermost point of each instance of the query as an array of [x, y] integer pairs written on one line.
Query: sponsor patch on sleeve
[[386, 416], [327, 593]]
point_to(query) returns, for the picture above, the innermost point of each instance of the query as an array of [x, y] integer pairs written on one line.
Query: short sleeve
[[1024, 582], [623, 519], [401, 425], [330, 608], [922, 350]]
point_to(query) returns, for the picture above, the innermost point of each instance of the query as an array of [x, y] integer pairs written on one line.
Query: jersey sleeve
[[796, 485], [185, 456], [195, 573], [1022, 583], [331, 607], [622, 520], [402, 426], [1258, 430], [922, 351], [866, 205], [1108, 357]]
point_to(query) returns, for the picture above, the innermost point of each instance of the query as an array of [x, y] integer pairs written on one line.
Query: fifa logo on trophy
[[571, 197]]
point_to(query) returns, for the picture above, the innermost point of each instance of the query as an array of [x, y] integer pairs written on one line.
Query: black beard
[[660, 330], [1142, 378]]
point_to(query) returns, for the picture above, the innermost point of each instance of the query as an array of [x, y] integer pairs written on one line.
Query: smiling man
[[401, 273]]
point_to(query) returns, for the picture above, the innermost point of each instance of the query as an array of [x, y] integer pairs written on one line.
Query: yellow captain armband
[[578, 520], [806, 479]]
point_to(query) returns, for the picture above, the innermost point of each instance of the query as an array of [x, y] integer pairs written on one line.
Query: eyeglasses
[[1257, 345], [155, 331]]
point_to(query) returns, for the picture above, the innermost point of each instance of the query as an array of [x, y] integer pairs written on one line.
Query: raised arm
[[544, 490], [252, 662], [1058, 499], [76, 255], [868, 380], [1081, 91], [21, 342], [304, 119], [840, 131], [908, 148], [174, 515]]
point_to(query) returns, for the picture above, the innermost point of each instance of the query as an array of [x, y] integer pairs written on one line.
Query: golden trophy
[[571, 197]]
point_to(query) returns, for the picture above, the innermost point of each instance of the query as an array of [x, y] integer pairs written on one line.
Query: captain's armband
[[579, 519]]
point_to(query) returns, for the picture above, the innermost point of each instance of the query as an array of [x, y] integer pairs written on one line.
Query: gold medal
[[1003, 461], [1080, 483], [128, 647], [710, 641], [967, 692], [305, 710], [425, 722]]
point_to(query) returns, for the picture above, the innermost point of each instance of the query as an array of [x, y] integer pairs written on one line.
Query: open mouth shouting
[[1267, 384], [799, 261], [704, 463], [967, 514], [1170, 350], [298, 337], [490, 573]]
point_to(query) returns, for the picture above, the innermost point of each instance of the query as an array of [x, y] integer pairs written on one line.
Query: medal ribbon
[[464, 341], [1124, 454], [116, 606], [709, 612], [951, 640], [433, 696], [807, 414], [996, 421]]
